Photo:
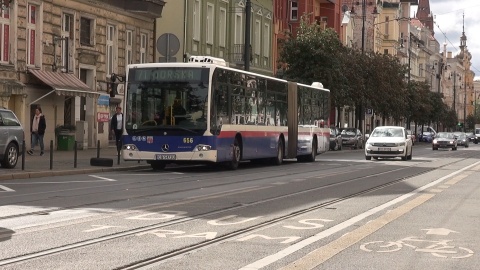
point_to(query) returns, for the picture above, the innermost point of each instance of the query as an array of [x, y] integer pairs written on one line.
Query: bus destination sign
[[166, 74]]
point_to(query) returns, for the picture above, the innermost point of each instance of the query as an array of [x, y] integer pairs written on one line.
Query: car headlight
[[401, 144], [434, 141], [451, 142], [203, 147]]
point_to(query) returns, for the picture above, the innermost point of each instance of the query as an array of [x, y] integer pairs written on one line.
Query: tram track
[[230, 235]]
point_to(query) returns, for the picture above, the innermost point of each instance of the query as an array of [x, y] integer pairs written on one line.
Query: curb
[[26, 175]]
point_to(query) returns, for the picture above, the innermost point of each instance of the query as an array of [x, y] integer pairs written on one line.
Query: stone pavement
[[63, 163]]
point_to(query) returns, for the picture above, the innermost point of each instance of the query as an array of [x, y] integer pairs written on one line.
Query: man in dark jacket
[[116, 125], [38, 131]]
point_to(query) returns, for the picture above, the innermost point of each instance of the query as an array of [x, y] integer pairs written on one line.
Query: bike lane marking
[[6, 189], [322, 254]]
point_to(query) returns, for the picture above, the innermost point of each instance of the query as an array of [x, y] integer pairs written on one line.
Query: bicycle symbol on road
[[438, 248]]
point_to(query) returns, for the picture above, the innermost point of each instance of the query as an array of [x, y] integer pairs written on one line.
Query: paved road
[[341, 212]]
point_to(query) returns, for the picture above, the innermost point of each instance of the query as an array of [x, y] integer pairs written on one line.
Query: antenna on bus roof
[[317, 84], [207, 59]]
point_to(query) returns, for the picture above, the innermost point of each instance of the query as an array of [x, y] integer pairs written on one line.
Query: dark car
[[463, 140], [471, 137], [352, 137], [335, 139], [11, 139], [444, 140]]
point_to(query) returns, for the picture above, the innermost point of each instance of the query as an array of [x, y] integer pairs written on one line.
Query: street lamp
[[465, 106], [454, 88]]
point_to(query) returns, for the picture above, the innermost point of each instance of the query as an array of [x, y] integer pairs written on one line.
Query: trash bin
[[65, 142]]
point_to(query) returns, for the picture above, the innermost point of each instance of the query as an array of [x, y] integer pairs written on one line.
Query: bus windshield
[[166, 98]]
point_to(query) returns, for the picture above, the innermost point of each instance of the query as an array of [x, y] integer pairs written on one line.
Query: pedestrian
[[116, 124], [38, 131]]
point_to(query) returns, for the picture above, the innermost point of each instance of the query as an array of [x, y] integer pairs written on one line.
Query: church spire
[[424, 15], [463, 39]]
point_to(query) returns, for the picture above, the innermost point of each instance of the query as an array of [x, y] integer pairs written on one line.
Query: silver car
[[12, 136]]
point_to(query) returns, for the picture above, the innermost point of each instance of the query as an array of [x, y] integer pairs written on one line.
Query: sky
[[448, 18]]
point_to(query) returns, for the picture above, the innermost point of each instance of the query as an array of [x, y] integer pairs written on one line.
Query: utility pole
[[465, 105], [246, 49], [454, 90]]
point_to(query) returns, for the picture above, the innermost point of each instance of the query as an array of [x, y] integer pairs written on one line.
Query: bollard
[[51, 154], [98, 148], [75, 155], [118, 156], [23, 155]]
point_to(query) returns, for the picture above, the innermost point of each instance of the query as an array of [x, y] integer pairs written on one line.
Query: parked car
[[463, 140], [412, 136], [389, 142], [444, 140], [11, 139], [335, 139], [352, 137], [472, 138]]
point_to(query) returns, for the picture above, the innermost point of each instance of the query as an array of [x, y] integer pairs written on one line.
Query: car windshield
[[387, 132], [349, 132], [445, 135]]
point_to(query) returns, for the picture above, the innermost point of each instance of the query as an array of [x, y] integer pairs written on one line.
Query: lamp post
[[465, 106], [246, 48], [364, 17]]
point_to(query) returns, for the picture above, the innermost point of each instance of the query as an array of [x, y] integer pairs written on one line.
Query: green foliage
[[372, 80]]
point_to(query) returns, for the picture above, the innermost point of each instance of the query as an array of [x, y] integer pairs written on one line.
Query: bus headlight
[[130, 147], [203, 147]]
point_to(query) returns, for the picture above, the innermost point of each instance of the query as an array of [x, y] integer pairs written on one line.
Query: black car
[[335, 139], [471, 137]]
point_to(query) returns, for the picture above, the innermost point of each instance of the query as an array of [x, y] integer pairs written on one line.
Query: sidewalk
[[64, 164]]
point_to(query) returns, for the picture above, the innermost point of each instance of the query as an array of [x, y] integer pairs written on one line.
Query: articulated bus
[[205, 112]]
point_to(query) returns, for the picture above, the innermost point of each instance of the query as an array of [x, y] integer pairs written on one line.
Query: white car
[[389, 142]]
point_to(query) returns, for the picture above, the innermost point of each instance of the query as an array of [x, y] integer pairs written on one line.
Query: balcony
[[238, 55]]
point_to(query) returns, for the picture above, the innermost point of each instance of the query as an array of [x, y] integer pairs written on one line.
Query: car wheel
[[11, 156], [405, 157], [376, 158], [409, 157]]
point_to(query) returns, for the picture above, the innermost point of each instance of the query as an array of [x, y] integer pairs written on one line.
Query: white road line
[[103, 178], [341, 226], [6, 189]]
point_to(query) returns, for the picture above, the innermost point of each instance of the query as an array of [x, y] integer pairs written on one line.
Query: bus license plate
[[165, 157], [383, 149]]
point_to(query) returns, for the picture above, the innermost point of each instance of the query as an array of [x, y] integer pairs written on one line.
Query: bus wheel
[[313, 154], [278, 160], [158, 165], [236, 154]]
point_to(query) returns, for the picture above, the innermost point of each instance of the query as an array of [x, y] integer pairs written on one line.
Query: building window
[[266, 40], [420, 70], [387, 27], [129, 47], [257, 37], [111, 55], [196, 20], [210, 23], [143, 48], [67, 42], [32, 32], [385, 51], [293, 10], [238, 29], [5, 34], [86, 31], [223, 27]]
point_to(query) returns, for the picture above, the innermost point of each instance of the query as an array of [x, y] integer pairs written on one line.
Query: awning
[[64, 84]]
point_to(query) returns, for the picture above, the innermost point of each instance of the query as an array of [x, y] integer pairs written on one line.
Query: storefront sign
[[103, 100], [103, 117]]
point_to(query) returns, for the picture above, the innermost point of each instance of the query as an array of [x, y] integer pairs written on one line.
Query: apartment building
[[59, 55]]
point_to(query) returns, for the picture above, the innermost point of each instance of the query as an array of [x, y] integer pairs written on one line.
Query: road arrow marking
[[6, 189], [439, 231]]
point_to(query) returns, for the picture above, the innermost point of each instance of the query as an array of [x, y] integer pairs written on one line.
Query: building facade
[[59, 55]]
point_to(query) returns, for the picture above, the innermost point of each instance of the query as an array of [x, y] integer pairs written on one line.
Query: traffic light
[[460, 124]]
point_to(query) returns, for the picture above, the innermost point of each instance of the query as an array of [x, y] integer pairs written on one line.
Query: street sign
[[369, 111]]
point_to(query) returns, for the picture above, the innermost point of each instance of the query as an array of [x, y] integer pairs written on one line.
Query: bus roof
[[214, 64]]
